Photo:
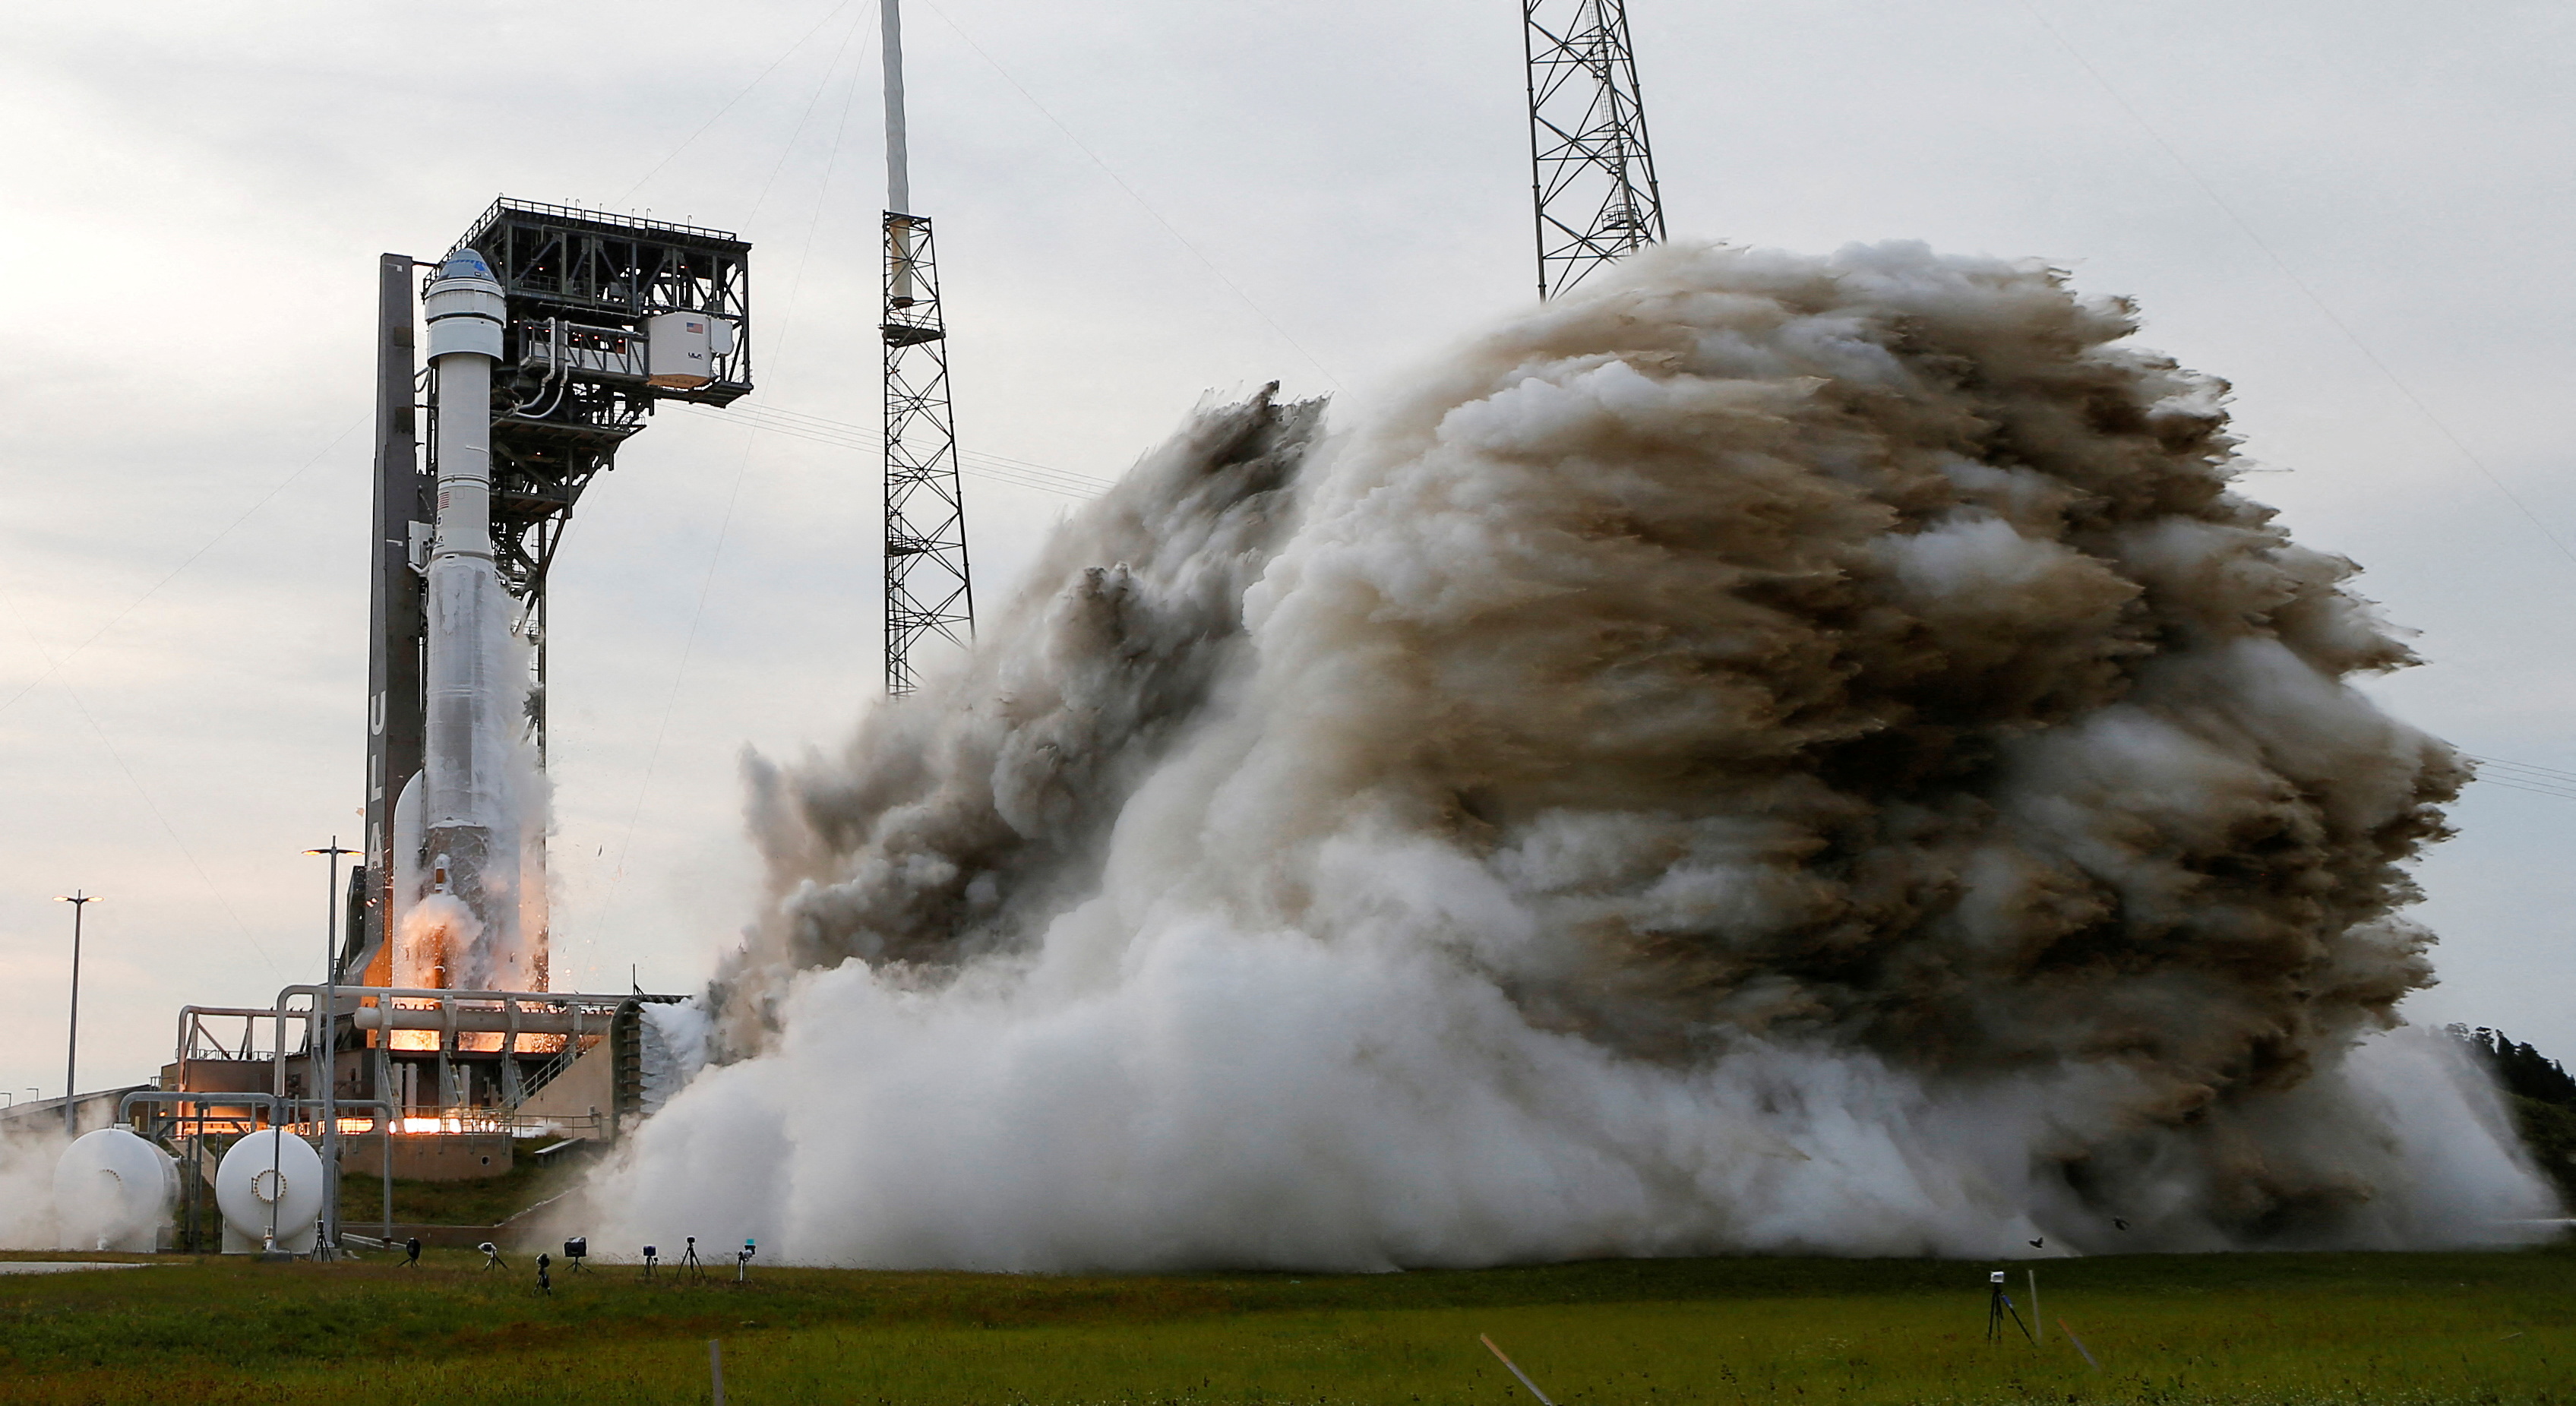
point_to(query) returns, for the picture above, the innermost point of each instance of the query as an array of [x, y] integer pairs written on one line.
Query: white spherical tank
[[114, 1191], [270, 1180]]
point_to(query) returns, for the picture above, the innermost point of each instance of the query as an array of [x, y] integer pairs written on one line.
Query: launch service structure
[[1593, 174], [552, 334]]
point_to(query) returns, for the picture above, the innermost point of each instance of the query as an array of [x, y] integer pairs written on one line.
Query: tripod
[[1998, 1305], [690, 1264]]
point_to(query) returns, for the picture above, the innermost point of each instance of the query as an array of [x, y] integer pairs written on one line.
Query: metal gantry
[[584, 287], [1593, 176]]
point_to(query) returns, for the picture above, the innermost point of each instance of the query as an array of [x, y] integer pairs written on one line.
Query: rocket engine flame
[[1771, 753]]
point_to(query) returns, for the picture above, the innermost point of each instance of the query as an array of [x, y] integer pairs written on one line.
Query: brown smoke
[[946, 828], [1833, 694]]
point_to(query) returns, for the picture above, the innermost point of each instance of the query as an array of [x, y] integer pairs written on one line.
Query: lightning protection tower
[[927, 588], [1593, 177]]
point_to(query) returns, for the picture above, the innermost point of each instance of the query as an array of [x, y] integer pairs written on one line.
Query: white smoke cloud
[[1774, 753], [30, 1148]]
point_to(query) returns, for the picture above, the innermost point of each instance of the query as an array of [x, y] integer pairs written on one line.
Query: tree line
[[2543, 1096]]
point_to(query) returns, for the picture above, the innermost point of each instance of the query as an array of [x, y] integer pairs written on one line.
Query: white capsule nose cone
[[463, 272], [465, 307], [466, 263]]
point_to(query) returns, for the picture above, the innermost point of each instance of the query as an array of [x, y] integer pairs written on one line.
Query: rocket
[[469, 812]]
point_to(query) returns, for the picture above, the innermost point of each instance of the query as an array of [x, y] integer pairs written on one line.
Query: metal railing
[[508, 205]]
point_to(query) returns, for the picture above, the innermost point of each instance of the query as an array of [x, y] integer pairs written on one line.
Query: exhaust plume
[[1771, 753]]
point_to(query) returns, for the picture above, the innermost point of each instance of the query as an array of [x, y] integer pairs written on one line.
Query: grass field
[[2167, 1329]]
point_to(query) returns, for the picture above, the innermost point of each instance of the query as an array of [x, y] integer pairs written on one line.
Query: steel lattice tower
[[1594, 176], [927, 587]]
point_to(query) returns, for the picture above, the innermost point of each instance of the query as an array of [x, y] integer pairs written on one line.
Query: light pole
[[80, 902], [326, 1053]]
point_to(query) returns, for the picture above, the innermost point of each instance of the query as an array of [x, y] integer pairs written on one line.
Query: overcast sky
[[2357, 212]]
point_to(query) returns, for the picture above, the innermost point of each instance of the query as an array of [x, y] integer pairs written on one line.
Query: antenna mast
[[1593, 177], [926, 584]]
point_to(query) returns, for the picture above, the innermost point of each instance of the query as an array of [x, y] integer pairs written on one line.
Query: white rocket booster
[[469, 821]]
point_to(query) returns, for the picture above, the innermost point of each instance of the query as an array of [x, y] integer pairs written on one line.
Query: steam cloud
[[29, 1152], [1773, 753]]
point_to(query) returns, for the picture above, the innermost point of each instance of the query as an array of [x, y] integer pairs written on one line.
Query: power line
[[55, 666], [706, 587], [788, 148], [1018, 470], [2568, 795], [2522, 776], [145, 796], [818, 430], [2551, 773], [1141, 203], [2368, 354], [729, 103]]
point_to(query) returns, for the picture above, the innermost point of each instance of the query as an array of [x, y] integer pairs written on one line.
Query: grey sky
[[2356, 212]]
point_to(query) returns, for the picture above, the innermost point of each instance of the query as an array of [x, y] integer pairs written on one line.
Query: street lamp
[[80, 902], [326, 1050]]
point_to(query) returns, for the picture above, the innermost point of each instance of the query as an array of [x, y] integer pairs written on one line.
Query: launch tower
[[927, 587], [1593, 176], [553, 332]]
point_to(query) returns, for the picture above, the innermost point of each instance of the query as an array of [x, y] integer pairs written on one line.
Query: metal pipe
[[197, 1147], [450, 1014], [443, 993], [280, 1108], [510, 1066], [555, 352], [188, 1018], [325, 1044], [385, 1125], [125, 1105], [467, 1021], [277, 1056], [187, 1013]]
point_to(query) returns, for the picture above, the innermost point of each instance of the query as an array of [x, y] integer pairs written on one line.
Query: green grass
[[2167, 1330]]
